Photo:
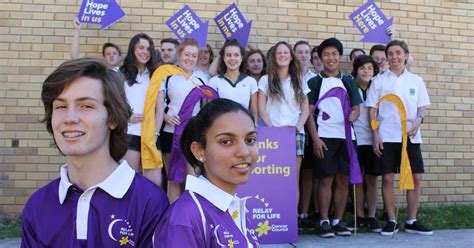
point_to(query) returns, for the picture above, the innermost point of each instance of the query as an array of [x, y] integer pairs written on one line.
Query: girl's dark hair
[[118, 111], [295, 71], [362, 60], [129, 68], [211, 53], [356, 50], [222, 67], [252, 52], [198, 126]]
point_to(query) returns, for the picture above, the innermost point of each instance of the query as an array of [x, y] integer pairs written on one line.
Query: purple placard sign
[[271, 189], [372, 23], [100, 12], [186, 24], [232, 24]]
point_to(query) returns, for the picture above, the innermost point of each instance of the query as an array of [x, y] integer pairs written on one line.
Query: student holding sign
[[110, 51], [387, 138], [232, 83], [327, 131], [98, 201], [282, 97], [137, 68], [220, 143], [173, 92]]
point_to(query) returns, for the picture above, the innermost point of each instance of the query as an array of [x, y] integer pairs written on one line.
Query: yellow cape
[[406, 176], [150, 156]]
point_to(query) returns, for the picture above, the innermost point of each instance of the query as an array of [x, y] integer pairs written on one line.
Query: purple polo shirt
[[121, 211], [224, 223]]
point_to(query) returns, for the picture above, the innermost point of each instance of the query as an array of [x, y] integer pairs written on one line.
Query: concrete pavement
[[441, 238]]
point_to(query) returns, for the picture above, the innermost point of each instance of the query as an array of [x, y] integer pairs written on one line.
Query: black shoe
[[390, 228], [418, 228], [326, 230], [361, 222], [341, 229], [373, 225], [306, 223]]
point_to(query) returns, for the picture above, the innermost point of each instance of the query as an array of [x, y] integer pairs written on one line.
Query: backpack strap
[[167, 98]]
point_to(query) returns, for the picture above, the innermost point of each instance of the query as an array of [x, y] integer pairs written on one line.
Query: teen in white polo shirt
[[388, 136], [99, 200], [302, 51], [231, 82]]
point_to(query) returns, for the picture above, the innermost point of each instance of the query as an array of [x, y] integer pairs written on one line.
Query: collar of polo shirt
[[200, 185], [116, 184], [324, 75]]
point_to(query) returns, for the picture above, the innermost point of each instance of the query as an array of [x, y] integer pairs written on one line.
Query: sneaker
[[326, 230], [341, 229], [306, 223], [418, 228], [390, 228], [361, 222], [373, 225]]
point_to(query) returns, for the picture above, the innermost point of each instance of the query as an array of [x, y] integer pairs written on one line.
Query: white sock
[[321, 222], [303, 216], [410, 222], [394, 221], [335, 222]]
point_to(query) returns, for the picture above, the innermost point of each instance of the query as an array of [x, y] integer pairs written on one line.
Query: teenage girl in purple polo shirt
[[220, 143]]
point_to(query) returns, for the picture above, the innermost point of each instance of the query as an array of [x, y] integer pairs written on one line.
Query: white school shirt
[[362, 124], [334, 127], [136, 95], [178, 89], [412, 91], [286, 111], [204, 75], [308, 75], [240, 92]]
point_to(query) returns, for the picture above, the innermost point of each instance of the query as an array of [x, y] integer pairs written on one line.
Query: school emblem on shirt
[[412, 92], [121, 231], [224, 238]]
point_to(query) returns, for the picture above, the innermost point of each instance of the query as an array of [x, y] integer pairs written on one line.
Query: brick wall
[[35, 37]]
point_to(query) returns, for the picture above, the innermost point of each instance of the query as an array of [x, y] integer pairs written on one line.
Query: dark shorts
[[309, 158], [134, 143], [166, 140], [389, 162], [336, 159], [366, 156]]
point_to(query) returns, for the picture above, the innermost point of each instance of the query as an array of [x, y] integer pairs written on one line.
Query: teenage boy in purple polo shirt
[[98, 201]]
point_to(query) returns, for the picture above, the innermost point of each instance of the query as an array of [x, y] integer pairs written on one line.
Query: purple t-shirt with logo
[[182, 226], [126, 222]]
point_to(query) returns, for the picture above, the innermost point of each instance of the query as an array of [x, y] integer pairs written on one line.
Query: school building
[[35, 37]]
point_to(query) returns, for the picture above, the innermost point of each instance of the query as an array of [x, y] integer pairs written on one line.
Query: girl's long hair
[[294, 70], [129, 68]]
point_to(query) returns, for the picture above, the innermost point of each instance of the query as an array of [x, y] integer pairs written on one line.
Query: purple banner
[[372, 23], [100, 12], [232, 24], [186, 24], [270, 192]]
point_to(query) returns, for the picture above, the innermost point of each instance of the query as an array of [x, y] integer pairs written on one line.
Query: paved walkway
[[444, 239]]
